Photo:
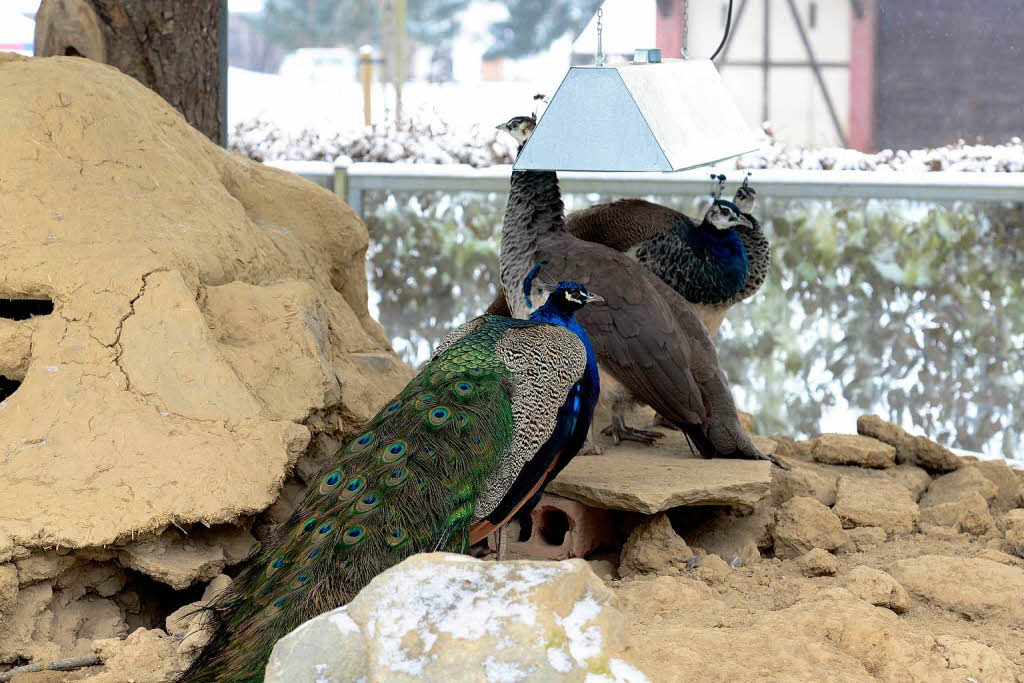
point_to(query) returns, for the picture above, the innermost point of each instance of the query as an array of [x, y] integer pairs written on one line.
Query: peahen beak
[[594, 298]]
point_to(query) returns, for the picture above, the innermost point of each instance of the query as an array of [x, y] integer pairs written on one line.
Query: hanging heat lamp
[[647, 115]]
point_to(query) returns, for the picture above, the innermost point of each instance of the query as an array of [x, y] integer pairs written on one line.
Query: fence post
[[342, 186]]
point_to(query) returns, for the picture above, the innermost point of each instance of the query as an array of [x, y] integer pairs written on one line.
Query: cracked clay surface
[[207, 309]]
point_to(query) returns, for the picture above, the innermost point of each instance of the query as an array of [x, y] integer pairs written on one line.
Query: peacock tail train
[[407, 484]]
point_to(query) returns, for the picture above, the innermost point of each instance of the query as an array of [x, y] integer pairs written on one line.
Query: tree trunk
[[171, 46]]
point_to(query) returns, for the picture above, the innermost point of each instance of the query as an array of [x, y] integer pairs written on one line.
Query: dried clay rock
[[1013, 527], [653, 546], [818, 562], [968, 514], [877, 588], [852, 449], [802, 524], [642, 480], [870, 502], [951, 487], [438, 616], [915, 450], [213, 307], [978, 589]]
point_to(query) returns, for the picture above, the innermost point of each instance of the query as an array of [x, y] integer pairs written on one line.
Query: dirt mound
[[180, 327]]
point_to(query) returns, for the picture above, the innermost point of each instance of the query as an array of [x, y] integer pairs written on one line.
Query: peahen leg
[[590, 446], [620, 431], [501, 540]]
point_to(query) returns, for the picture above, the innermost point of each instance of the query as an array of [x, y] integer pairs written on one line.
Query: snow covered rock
[[445, 617]]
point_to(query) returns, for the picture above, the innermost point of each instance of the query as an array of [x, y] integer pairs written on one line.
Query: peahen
[[500, 407], [647, 337], [636, 226]]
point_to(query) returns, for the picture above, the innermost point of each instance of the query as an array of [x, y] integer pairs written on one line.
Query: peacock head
[[570, 297], [746, 197], [724, 215], [519, 127]]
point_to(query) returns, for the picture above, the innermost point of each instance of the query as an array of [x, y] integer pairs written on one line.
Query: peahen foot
[[620, 431]]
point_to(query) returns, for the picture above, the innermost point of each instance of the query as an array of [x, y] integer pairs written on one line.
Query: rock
[[818, 562], [25, 634], [913, 478], [189, 624], [862, 502], [173, 560], [8, 589], [692, 636], [864, 538], [1008, 484], [746, 421], [195, 332], [437, 616], [713, 569], [606, 569], [973, 661], [951, 487], [648, 482], [974, 588], [851, 449], [969, 514], [653, 546], [802, 524], [41, 566], [1001, 557], [877, 588], [803, 480], [1013, 528], [146, 656], [915, 450]]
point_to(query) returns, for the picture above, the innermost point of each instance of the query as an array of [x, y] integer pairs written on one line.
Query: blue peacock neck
[[555, 314], [726, 251]]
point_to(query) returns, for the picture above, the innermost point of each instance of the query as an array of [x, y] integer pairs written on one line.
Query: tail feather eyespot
[[330, 482]]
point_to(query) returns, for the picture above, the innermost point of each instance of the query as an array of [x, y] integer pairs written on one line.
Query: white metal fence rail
[[351, 179]]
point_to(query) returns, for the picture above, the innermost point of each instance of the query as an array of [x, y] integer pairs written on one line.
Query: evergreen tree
[[533, 25]]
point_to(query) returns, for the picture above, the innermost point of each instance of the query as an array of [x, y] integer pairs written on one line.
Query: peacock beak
[[594, 298]]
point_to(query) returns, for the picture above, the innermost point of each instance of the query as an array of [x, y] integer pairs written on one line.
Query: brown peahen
[[500, 407], [647, 336]]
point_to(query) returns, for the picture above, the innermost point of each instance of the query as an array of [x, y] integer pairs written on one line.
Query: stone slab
[[649, 481]]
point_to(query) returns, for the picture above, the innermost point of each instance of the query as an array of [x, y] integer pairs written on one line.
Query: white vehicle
[[321, 64]]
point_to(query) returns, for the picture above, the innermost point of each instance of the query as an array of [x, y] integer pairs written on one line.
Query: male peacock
[[637, 226], [646, 336], [501, 405]]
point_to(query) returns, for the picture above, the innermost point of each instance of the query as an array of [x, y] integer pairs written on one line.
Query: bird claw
[[620, 431], [590, 448]]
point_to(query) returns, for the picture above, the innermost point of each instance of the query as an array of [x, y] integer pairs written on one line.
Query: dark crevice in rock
[[22, 309], [7, 387]]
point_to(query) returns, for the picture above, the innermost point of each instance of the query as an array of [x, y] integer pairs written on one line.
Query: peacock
[[640, 228], [647, 336], [501, 406]]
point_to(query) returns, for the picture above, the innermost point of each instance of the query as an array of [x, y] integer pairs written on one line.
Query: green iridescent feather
[[407, 484]]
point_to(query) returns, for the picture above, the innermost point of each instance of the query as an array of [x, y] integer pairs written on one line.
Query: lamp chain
[[599, 57]]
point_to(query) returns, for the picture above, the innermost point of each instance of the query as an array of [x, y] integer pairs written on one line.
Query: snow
[[464, 602], [584, 643]]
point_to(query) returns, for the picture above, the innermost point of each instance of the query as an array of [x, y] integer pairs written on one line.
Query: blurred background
[[909, 306]]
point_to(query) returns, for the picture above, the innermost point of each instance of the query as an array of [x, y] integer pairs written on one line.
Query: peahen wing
[[427, 466], [623, 223], [659, 356]]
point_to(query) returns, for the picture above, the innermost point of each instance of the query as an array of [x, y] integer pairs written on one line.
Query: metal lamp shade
[[638, 117]]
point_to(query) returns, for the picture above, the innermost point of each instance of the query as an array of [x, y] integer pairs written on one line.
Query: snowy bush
[[434, 143]]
